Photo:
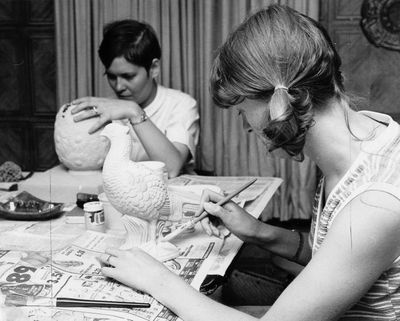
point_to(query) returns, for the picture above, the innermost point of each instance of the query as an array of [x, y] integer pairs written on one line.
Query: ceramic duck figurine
[[133, 189]]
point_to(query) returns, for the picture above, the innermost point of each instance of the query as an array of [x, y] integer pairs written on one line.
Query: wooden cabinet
[[27, 83], [370, 72]]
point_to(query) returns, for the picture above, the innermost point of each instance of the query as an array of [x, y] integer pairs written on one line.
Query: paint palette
[[25, 206]]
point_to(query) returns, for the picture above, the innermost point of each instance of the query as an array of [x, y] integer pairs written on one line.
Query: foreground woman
[[281, 71]]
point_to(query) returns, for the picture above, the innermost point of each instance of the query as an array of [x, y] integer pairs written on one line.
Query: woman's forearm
[[283, 242], [159, 148], [191, 305]]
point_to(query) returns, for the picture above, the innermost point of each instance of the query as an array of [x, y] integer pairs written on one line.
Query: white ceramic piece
[[76, 148], [130, 187], [135, 191]]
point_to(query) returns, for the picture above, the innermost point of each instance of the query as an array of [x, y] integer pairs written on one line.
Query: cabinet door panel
[[43, 73], [13, 79], [44, 154], [41, 11], [8, 11]]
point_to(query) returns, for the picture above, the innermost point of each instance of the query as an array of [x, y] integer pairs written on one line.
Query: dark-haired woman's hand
[[104, 109]]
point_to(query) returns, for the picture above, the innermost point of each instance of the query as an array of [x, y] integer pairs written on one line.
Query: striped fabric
[[377, 167]]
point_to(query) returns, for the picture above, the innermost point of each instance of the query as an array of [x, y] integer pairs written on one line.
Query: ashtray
[[25, 206]]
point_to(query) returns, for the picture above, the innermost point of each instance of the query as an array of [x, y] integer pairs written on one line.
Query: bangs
[[230, 85], [224, 92]]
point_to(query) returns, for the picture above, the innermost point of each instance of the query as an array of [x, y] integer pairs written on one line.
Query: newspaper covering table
[[40, 261]]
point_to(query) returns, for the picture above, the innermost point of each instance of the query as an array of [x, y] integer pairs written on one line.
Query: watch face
[[381, 22]]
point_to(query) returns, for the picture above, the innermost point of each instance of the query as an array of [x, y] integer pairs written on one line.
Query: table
[[42, 260]]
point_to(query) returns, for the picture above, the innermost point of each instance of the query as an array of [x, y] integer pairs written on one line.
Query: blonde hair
[[288, 60]]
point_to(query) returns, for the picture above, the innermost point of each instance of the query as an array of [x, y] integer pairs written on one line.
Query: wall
[[370, 72]]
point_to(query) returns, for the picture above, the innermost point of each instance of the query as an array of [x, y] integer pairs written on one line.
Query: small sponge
[[10, 172]]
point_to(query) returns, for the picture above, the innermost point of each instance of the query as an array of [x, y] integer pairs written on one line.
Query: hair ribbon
[[280, 87], [277, 110]]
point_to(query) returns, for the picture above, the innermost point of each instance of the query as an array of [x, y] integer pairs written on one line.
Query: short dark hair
[[135, 41]]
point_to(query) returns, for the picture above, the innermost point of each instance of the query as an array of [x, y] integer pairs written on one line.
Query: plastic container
[[94, 216]]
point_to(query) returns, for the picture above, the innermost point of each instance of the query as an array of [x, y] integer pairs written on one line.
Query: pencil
[[196, 219], [82, 303]]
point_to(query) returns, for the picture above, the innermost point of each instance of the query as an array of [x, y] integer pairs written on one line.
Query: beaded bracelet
[[296, 256]]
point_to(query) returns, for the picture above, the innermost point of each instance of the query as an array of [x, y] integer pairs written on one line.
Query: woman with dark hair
[[281, 71], [164, 122]]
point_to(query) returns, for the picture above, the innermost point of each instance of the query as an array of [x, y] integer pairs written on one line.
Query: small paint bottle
[[94, 216]]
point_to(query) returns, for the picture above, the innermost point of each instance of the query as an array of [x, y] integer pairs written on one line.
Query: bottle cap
[[93, 206]]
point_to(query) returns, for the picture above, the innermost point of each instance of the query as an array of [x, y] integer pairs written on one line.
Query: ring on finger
[[95, 111], [108, 259]]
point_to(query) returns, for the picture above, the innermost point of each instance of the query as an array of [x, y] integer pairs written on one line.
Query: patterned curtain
[[189, 32]]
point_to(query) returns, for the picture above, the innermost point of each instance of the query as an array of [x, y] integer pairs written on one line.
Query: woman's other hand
[[105, 109], [235, 218], [133, 267]]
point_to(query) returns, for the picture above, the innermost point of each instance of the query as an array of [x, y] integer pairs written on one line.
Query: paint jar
[[94, 216]]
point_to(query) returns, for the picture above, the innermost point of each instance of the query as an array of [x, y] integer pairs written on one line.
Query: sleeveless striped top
[[376, 167]]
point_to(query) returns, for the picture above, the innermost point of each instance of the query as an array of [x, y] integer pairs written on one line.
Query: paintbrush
[[193, 221], [71, 302]]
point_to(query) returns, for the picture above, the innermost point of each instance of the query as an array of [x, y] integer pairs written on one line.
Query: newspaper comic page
[[43, 261]]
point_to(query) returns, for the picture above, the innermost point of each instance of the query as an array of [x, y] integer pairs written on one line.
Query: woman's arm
[[155, 143], [280, 241], [160, 148], [362, 242], [137, 269]]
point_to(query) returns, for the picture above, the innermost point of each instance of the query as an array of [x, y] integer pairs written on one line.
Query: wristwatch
[[142, 118]]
